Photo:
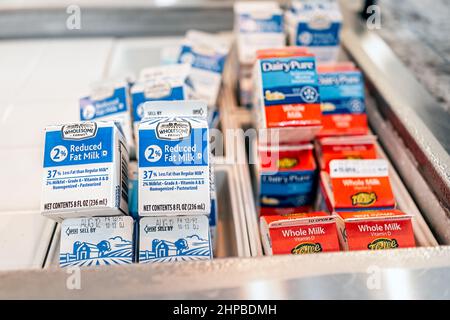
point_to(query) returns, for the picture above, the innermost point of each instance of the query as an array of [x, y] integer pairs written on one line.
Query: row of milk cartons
[[314, 24], [86, 187], [195, 74]]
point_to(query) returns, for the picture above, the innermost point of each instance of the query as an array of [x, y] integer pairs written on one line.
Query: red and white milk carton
[[300, 233], [344, 148], [375, 230], [357, 185]]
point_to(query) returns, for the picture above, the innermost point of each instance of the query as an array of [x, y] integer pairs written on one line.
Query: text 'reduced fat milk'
[[163, 83], [286, 96], [109, 101], [315, 25], [174, 159], [206, 53], [96, 241], [85, 171], [178, 238]]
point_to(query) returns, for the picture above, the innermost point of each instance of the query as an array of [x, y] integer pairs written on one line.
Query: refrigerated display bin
[[411, 136]]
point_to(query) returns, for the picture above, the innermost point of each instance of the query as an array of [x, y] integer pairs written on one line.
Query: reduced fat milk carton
[[109, 101], [174, 159], [315, 25], [85, 171], [286, 96], [375, 230], [96, 241], [180, 238], [206, 53], [300, 233], [258, 25], [357, 185], [168, 82]]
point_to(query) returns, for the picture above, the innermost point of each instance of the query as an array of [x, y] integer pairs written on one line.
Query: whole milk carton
[[96, 241], [174, 159], [357, 185], [162, 83], [176, 238], [299, 233], [286, 96], [287, 179], [316, 25], [375, 230], [85, 171], [341, 88], [109, 100]]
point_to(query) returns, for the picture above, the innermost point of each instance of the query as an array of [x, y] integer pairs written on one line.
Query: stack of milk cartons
[[315, 24], [85, 186], [206, 54], [257, 25], [287, 103], [174, 195]]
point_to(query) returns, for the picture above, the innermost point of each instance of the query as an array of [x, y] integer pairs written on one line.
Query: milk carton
[[85, 171], [316, 25], [109, 101], [344, 147], [286, 96], [357, 185], [206, 53], [300, 233], [174, 159], [168, 82], [287, 179], [96, 241], [343, 104], [257, 25], [168, 239], [375, 230]]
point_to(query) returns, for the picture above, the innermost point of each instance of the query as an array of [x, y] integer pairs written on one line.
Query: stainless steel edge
[[421, 125], [400, 274]]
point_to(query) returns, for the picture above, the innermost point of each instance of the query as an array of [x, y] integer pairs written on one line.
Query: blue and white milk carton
[[109, 101], [85, 171], [173, 159], [168, 239], [258, 25], [315, 25], [168, 82], [96, 241], [206, 53]]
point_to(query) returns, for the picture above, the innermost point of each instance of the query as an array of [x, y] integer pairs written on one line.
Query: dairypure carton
[[109, 101], [174, 159], [286, 96], [178, 238], [343, 103], [357, 185], [344, 148], [96, 241], [85, 171], [287, 178], [206, 53], [168, 82], [258, 25], [375, 230], [299, 233], [315, 25]]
